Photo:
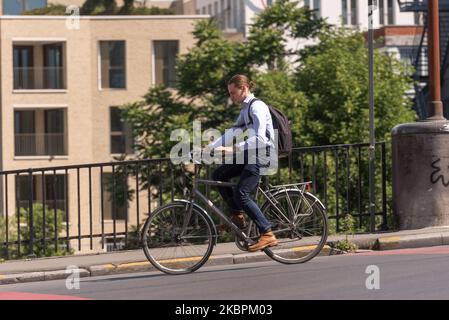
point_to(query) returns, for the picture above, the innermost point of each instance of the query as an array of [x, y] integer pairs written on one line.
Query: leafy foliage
[[323, 89], [45, 226]]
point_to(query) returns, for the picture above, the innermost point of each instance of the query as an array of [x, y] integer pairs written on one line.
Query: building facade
[[59, 96]]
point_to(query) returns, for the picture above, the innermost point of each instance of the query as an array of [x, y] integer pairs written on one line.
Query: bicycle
[[179, 237]]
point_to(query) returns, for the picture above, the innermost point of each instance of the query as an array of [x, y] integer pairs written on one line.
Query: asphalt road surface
[[397, 274]]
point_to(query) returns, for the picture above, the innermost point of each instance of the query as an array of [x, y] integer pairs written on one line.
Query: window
[[53, 66], [40, 132], [381, 12], [317, 8], [234, 14], [113, 69], [228, 14], [16, 7], [222, 14], [39, 66], [165, 53], [23, 67], [121, 133], [24, 133], [215, 9], [115, 205], [54, 131], [390, 12], [344, 11], [354, 17], [51, 187], [419, 18], [204, 10]]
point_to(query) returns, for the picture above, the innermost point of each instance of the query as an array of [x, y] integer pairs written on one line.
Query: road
[[402, 274]]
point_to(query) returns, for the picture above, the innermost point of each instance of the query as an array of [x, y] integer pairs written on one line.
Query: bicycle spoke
[[173, 237], [301, 229]]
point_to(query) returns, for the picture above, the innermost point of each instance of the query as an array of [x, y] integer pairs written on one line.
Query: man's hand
[[224, 149]]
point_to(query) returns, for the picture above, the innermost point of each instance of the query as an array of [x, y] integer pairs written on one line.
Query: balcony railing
[[35, 144], [35, 78]]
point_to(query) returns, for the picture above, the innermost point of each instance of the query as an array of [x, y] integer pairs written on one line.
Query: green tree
[[333, 75], [323, 89], [201, 92], [334, 78]]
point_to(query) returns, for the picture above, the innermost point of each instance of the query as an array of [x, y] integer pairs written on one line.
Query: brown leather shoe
[[266, 240], [237, 219]]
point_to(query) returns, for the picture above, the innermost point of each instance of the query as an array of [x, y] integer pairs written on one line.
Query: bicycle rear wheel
[[170, 247], [300, 224]]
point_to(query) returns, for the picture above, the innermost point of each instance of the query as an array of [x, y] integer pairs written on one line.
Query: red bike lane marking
[[35, 296], [428, 250]]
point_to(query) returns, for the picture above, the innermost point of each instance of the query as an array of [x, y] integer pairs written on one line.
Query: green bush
[[38, 233], [40, 230], [50, 10], [345, 245]]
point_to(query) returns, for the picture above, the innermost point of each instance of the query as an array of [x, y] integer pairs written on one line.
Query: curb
[[141, 266], [370, 243], [411, 241]]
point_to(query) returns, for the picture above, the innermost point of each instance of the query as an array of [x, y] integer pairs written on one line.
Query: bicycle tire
[[161, 235], [293, 247]]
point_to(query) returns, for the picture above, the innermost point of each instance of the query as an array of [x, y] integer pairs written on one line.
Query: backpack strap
[[249, 110], [267, 133]]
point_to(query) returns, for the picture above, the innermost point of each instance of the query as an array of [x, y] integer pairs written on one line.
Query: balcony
[[39, 66], [39, 78], [44, 144]]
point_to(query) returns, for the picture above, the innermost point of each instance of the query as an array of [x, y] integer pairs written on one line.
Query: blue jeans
[[239, 199]]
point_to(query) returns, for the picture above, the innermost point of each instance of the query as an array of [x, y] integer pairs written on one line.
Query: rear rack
[[290, 185]]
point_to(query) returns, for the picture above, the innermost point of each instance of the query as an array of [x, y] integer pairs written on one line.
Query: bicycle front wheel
[[174, 245], [300, 224]]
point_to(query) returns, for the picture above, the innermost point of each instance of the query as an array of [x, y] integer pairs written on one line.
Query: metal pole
[[372, 5], [435, 106]]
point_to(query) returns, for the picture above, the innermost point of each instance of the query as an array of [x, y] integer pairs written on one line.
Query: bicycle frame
[[239, 233]]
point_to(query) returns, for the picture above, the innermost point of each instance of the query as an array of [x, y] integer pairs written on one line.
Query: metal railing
[[91, 216], [39, 144], [35, 78]]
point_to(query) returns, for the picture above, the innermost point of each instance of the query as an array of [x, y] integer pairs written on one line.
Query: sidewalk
[[223, 254]]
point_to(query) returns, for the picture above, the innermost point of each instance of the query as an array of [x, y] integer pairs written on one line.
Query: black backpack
[[282, 125]]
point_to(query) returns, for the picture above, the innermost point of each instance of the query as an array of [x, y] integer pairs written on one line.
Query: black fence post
[[31, 253]]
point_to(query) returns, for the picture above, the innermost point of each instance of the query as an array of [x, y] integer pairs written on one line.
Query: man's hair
[[240, 80]]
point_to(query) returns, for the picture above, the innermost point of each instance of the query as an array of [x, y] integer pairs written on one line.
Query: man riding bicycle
[[254, 116]]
